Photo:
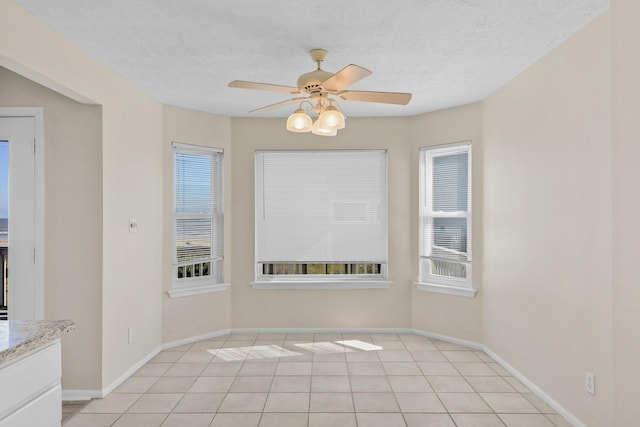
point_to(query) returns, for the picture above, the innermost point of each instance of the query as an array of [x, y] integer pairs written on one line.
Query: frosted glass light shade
[[318, 129], [331, 118], [299, 121]]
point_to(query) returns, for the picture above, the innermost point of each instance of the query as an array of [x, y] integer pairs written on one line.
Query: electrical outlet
[[131, 335], [133, 225], [590, 382]]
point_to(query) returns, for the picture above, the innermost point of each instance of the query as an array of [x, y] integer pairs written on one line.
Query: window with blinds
[[445, 215], [198, 214], [321, 215]]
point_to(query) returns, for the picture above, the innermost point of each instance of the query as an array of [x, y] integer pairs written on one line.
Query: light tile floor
[[318, 380]]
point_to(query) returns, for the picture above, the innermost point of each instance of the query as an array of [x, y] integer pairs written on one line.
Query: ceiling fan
[[318, 88]]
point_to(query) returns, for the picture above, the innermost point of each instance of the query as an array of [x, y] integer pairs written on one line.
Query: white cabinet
[[30, 393]]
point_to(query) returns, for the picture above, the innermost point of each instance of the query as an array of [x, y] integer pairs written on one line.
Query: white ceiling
[[446, 52]]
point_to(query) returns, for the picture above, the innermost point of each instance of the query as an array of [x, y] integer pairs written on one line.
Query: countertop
[[19, 337]]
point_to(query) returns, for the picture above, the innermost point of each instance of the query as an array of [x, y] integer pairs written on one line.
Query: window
[[321, 219], [445, 219], [197, 219]]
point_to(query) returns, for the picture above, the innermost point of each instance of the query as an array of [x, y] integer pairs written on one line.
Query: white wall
[[626, 208], [195, 315], [547, 223]]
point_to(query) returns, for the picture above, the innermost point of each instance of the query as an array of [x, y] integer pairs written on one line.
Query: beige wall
[[195, 315], [132, 262], [626, 208], [131, 181], [547, 223], [379, 308], [399, 307], [73, 221], [449, 315]]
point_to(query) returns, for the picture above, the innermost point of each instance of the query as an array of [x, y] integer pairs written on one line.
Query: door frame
[[37, 114]]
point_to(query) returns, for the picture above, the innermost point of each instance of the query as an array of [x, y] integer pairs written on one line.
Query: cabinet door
[[44, 411], [28, 379]]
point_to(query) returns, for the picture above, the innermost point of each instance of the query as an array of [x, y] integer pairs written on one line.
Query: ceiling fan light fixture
[[319, 129], [299, 121], [317, 87], [331, 118]]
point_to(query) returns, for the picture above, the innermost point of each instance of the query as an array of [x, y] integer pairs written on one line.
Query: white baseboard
[[78, 395], [68, 395], [122, 378], [568, 416], [322, 331], [452, 340], [191, 340]]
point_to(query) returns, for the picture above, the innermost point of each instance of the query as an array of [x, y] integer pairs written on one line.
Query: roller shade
[[321, 206]]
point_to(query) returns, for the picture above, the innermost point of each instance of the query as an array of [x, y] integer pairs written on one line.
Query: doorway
[[4, 228], [20, 214]]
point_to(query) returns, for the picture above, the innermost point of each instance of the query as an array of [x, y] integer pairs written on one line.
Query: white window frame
[[426, 280], [319, 281], [187, 286]]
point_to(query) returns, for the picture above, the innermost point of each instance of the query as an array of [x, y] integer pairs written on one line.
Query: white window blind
[[321, 207], [445, 215], [198, 214]]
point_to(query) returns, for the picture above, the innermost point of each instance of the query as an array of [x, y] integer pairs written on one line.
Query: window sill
[[185, 291], [372, 284], [445, 289]]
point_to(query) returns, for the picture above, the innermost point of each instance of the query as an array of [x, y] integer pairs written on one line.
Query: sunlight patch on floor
[[274, 351], [360, 345], [324, 348], [253, 352]]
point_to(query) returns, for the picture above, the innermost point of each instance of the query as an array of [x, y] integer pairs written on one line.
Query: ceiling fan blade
[[263, 86], [279, 104], [345, 77], [382, 97]]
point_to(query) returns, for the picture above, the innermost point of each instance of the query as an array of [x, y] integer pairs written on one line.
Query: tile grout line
[[315, 361]]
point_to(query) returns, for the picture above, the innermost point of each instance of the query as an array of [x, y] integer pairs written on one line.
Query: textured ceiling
[[446, 52]]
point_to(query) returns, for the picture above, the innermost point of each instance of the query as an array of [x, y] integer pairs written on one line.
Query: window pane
[[4, 216], [274, 269], [193, 183], [450, 182], [449, 238], [4, 181], [193, 239], [448, 269]]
